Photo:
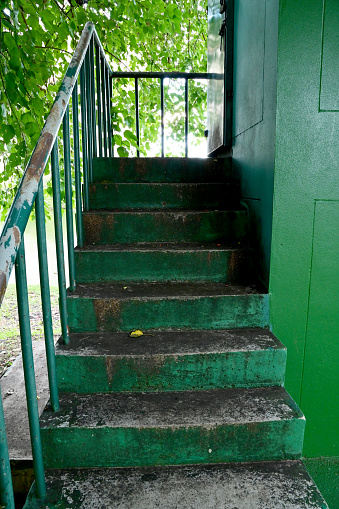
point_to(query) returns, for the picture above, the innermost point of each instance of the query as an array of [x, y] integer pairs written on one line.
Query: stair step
[[273, 485], [163, 195], [164, 262], [114, 307], [170, 428], [161, 169], [164, 226], [170, 361]]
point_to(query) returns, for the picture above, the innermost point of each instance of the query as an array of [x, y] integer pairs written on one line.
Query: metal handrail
[[88, 53]]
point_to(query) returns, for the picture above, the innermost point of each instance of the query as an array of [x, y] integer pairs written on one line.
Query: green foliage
[[37, 39]]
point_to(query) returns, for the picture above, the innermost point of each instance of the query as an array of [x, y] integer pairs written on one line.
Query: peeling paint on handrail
[[23, 202]]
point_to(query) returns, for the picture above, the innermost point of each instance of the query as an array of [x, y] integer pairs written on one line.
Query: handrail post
[[104, 107], [84, 134], [45, 296], [28, 366], [77, 173], [137, 126], [186, 117], [92, 78], [109, 104], [6, 485], [89, 114], [68, 199], [162, 107], [59, 242], [98, 77]]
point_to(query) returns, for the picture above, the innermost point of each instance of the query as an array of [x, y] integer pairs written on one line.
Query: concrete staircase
[[192, 414]]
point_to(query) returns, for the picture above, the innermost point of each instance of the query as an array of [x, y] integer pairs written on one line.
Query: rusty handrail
[[22, 205]]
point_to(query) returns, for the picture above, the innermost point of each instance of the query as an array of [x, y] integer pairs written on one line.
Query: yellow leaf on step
[[136, 333]]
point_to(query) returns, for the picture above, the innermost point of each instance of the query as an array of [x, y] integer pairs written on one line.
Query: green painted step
[[171, 428], [161, 169], [114, 307], [272, 484], [161, 226], [170, 361], [164, 262], [166, 195]]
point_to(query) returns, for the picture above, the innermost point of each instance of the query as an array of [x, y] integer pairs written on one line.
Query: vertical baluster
[[98, 76], [76, 148], [162, 107], [89, 114], [68, 199], [104, 107], [59, 242], [84, 133], [93, 97], [186, 117], [6, 486], [109, 123], [28, 366], [45, 296], [137, 127]]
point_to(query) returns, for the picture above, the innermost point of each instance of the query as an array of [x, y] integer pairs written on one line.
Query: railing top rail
[[24, 199], [163, 74]]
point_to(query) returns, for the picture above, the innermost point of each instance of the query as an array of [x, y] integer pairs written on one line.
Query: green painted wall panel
[[254, 120], [329, 91], [320, 384], [306, 171]]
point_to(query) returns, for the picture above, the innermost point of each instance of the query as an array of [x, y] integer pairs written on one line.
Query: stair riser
[[111, 228], [158, 169], [92, 374], [224, 312], [231, 267], [123, 447], [162, 196]]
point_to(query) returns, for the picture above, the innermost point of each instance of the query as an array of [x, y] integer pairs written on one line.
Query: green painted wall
[[304, 280], [255, 68]]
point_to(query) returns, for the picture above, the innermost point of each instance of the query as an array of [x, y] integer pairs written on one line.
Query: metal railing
[[186, 76], [92, 121], [90, 125]]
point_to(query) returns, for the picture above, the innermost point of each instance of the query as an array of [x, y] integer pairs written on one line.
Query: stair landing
[[266, 485]]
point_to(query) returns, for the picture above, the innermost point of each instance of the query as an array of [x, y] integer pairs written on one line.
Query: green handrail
[[30, 193]]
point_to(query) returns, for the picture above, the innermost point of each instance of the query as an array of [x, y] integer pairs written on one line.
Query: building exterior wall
[[304, 277], [254, 114]]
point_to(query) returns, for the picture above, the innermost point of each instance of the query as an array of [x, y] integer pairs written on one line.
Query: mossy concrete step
[[164, 226], [171, 428], [170, 361], [161, 169], [273, 485], [163, 195], [114, 307], [164, 262]]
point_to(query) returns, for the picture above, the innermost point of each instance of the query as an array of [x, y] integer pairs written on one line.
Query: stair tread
[[273, 484], [158, 290], [203, 409], [164, 343], [167, 212], [166, 246]]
